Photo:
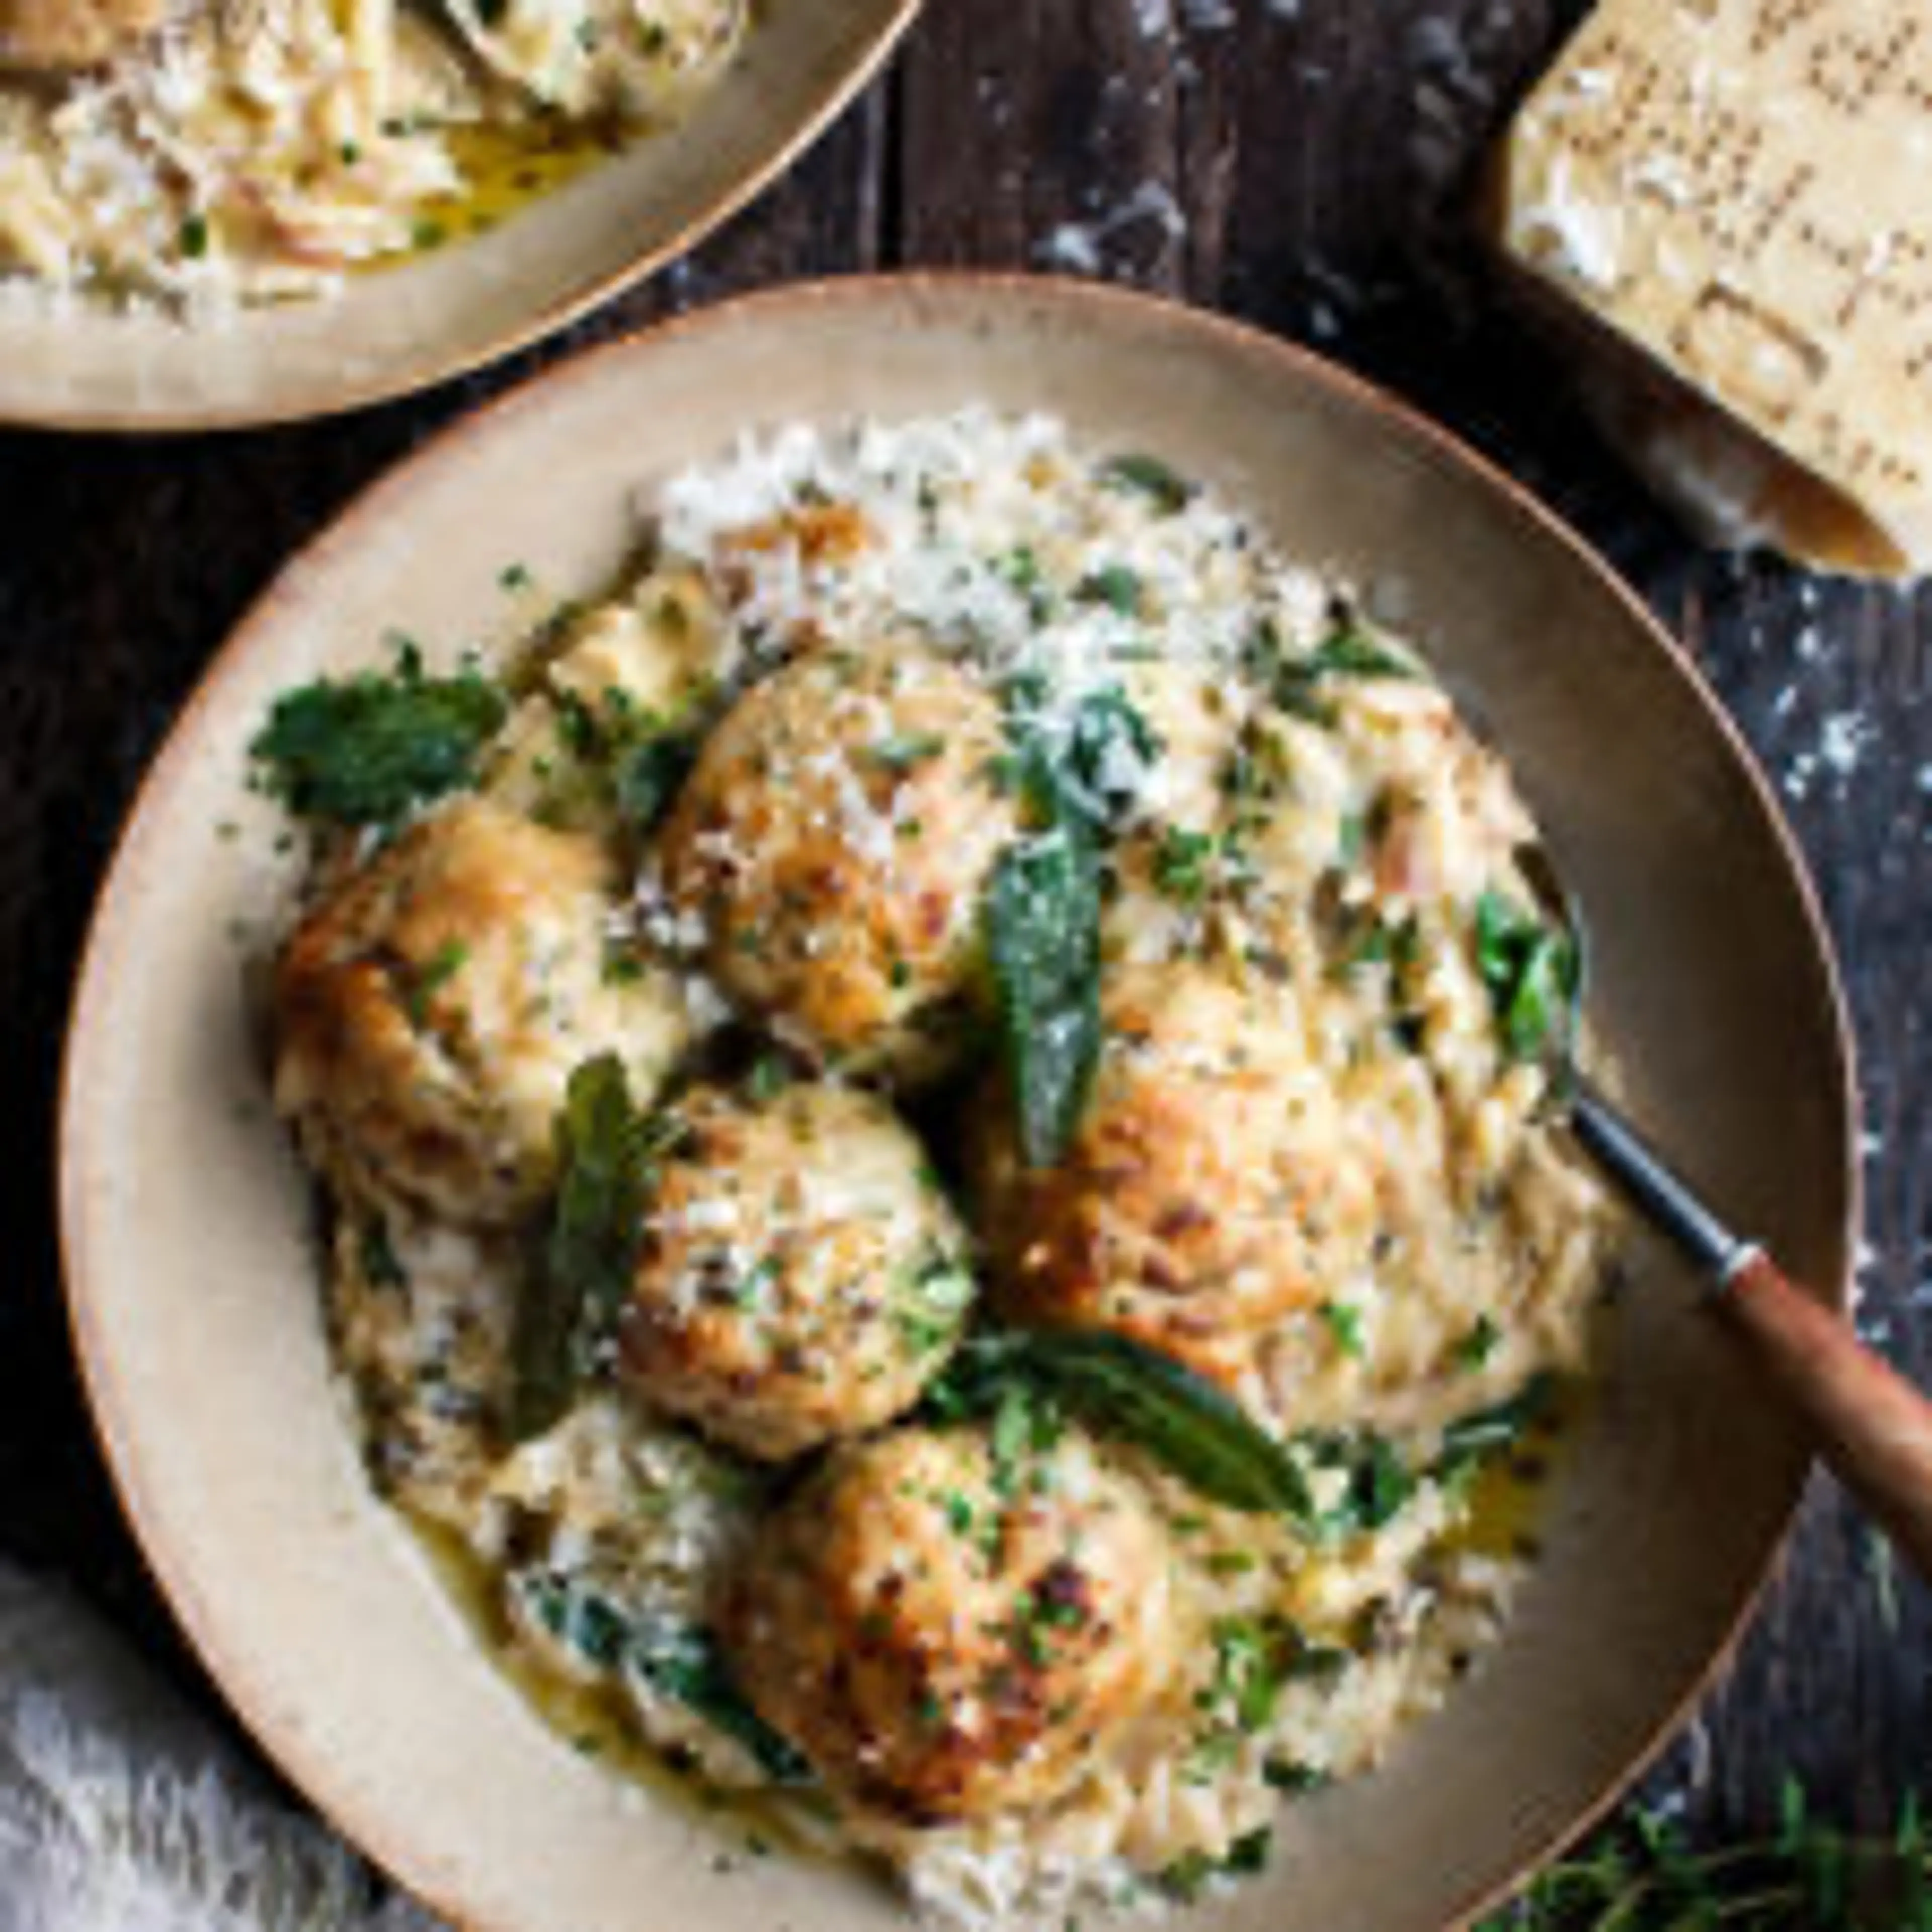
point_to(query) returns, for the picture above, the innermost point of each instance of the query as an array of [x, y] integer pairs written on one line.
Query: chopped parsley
[[1376, 942], [1113, 585], [376, 1255], [1256, 1658], [906, 751], [1475, 1348], [623, 758], [1025, 1427], [931, 1306], [1054, 1605], [1020, 568], [1184, 864], [1377, 1484], [1148, 476], [1344, 1322], [770, 1075], [430, 978], [621, 967]]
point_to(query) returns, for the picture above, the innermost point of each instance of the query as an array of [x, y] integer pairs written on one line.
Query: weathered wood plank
[[1032, 133]]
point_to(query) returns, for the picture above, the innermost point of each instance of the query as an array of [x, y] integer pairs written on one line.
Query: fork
[[1871, 1426]]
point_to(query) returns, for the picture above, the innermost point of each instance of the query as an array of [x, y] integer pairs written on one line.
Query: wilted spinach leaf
[[681, 1659]]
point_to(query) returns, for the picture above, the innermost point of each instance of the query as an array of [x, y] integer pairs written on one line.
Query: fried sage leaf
[[1079, 778], [1043, 921], [1119, 1387], [582, 1276]]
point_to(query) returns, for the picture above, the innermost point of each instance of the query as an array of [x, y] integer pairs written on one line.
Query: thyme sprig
[[1643, 1874]]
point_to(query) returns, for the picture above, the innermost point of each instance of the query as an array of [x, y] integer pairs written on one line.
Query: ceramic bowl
[[193, 1283], [404, 327]]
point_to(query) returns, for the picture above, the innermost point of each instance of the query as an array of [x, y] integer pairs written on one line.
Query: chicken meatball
[[430, 1008], [802, 1275], [834, 842], [1210, 1190], [946, 1633], [62, 34]]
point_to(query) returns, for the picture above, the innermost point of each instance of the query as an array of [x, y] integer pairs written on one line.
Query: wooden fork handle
[[1873, 1427]]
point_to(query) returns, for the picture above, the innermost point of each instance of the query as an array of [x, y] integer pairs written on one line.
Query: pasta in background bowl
[[226, 211], [819, 1082], [244, 152]]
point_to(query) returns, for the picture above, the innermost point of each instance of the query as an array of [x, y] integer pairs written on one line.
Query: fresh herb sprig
[[364, 751], [1643, 1874]]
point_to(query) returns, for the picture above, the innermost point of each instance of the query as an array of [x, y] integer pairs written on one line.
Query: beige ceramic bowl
[[402, 328], [193, 1286]]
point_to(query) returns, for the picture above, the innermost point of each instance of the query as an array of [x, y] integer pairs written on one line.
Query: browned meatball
[[803, 1276], [945, 1634], [1207, 1193], [59, 33], [430, 1008], [835, 841]]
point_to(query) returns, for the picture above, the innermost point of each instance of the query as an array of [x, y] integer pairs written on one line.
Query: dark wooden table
[[1305, 165]]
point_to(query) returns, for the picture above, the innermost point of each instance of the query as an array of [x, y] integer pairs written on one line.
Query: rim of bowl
[[558, 312], [202, 1628]]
